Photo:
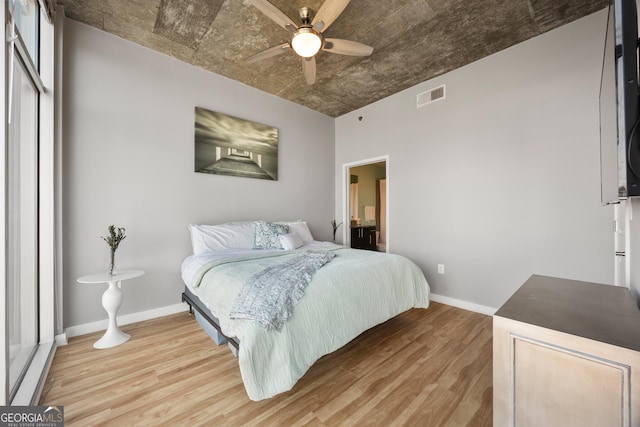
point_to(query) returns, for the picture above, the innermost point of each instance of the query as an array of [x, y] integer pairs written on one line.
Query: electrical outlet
[[440, 268]]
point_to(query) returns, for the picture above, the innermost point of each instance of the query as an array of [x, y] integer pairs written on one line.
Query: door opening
[[366, 211]]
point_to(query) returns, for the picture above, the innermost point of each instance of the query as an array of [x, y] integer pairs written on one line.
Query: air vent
[[431, 95]]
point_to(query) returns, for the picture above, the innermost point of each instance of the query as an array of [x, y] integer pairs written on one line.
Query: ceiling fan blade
[[275, 14], [346, 47], [268, 53], [329, 11], [318, 26], [309, 69]]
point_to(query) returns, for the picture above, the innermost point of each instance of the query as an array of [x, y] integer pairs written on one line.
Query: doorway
[[365, 207]]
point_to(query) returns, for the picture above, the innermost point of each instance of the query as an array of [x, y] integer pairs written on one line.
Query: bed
[[352, 291]]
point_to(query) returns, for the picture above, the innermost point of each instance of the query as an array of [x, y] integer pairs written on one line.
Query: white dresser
[[566, 353]]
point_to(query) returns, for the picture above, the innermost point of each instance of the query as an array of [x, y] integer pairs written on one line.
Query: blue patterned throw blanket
[[268, 297]]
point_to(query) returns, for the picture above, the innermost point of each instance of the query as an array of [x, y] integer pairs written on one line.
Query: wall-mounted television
[[619, 105]]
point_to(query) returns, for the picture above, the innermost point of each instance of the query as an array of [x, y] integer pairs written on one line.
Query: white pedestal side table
[[111, 301]]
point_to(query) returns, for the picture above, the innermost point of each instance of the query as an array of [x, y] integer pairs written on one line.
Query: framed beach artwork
[[227, 145]]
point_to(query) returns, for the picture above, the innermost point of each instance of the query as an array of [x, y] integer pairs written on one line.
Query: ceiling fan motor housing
[[306, 15]]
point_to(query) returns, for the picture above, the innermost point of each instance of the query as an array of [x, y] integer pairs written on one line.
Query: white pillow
[[301, 228], [290, 241], [220, 237]]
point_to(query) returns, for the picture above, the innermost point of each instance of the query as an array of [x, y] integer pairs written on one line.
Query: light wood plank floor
[[423, 368]]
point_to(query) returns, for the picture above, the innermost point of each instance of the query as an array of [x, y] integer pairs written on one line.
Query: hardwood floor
[[423, 368]]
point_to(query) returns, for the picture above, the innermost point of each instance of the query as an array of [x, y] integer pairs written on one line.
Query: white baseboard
[[125, 319], [62, 339], [465, 305]]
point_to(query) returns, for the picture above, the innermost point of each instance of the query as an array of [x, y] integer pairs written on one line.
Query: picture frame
[[228, 145]]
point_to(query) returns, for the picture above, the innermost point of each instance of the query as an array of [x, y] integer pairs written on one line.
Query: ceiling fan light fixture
[[306, 42]]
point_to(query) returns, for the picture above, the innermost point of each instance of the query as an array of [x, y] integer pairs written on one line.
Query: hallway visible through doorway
[[365, 208]]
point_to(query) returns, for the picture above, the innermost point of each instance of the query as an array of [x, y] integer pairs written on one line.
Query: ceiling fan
[[307, 39]]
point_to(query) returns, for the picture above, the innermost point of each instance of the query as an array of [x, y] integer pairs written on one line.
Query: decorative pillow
[[206, 238], [267, 235], [290, 241], [301, 228]]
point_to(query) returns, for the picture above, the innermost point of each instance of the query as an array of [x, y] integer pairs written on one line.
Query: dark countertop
[[599, 312]]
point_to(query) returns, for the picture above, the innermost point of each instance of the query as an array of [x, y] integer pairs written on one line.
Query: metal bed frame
[[195, 303]]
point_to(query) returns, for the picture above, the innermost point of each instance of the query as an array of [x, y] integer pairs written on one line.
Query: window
[[26, 14], [22, 192], [22, 221]]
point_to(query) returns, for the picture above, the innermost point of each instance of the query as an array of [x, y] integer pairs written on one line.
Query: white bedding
[[354, 292]]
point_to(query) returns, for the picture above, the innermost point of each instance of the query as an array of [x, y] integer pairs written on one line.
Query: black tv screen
[[619, 105]]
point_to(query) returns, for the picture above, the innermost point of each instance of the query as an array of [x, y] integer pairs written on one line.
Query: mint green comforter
[[354, 292]]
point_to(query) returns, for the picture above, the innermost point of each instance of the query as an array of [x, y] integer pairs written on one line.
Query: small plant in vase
[[116, 235], [335, 226]]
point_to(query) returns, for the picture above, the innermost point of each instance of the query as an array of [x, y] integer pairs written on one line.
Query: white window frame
[[30, 388]]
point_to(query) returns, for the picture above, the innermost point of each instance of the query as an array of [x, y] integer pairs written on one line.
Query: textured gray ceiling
[[413, 40]]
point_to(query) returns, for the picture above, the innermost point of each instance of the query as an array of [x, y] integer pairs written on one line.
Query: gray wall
[[128, 160], [501, 179]]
